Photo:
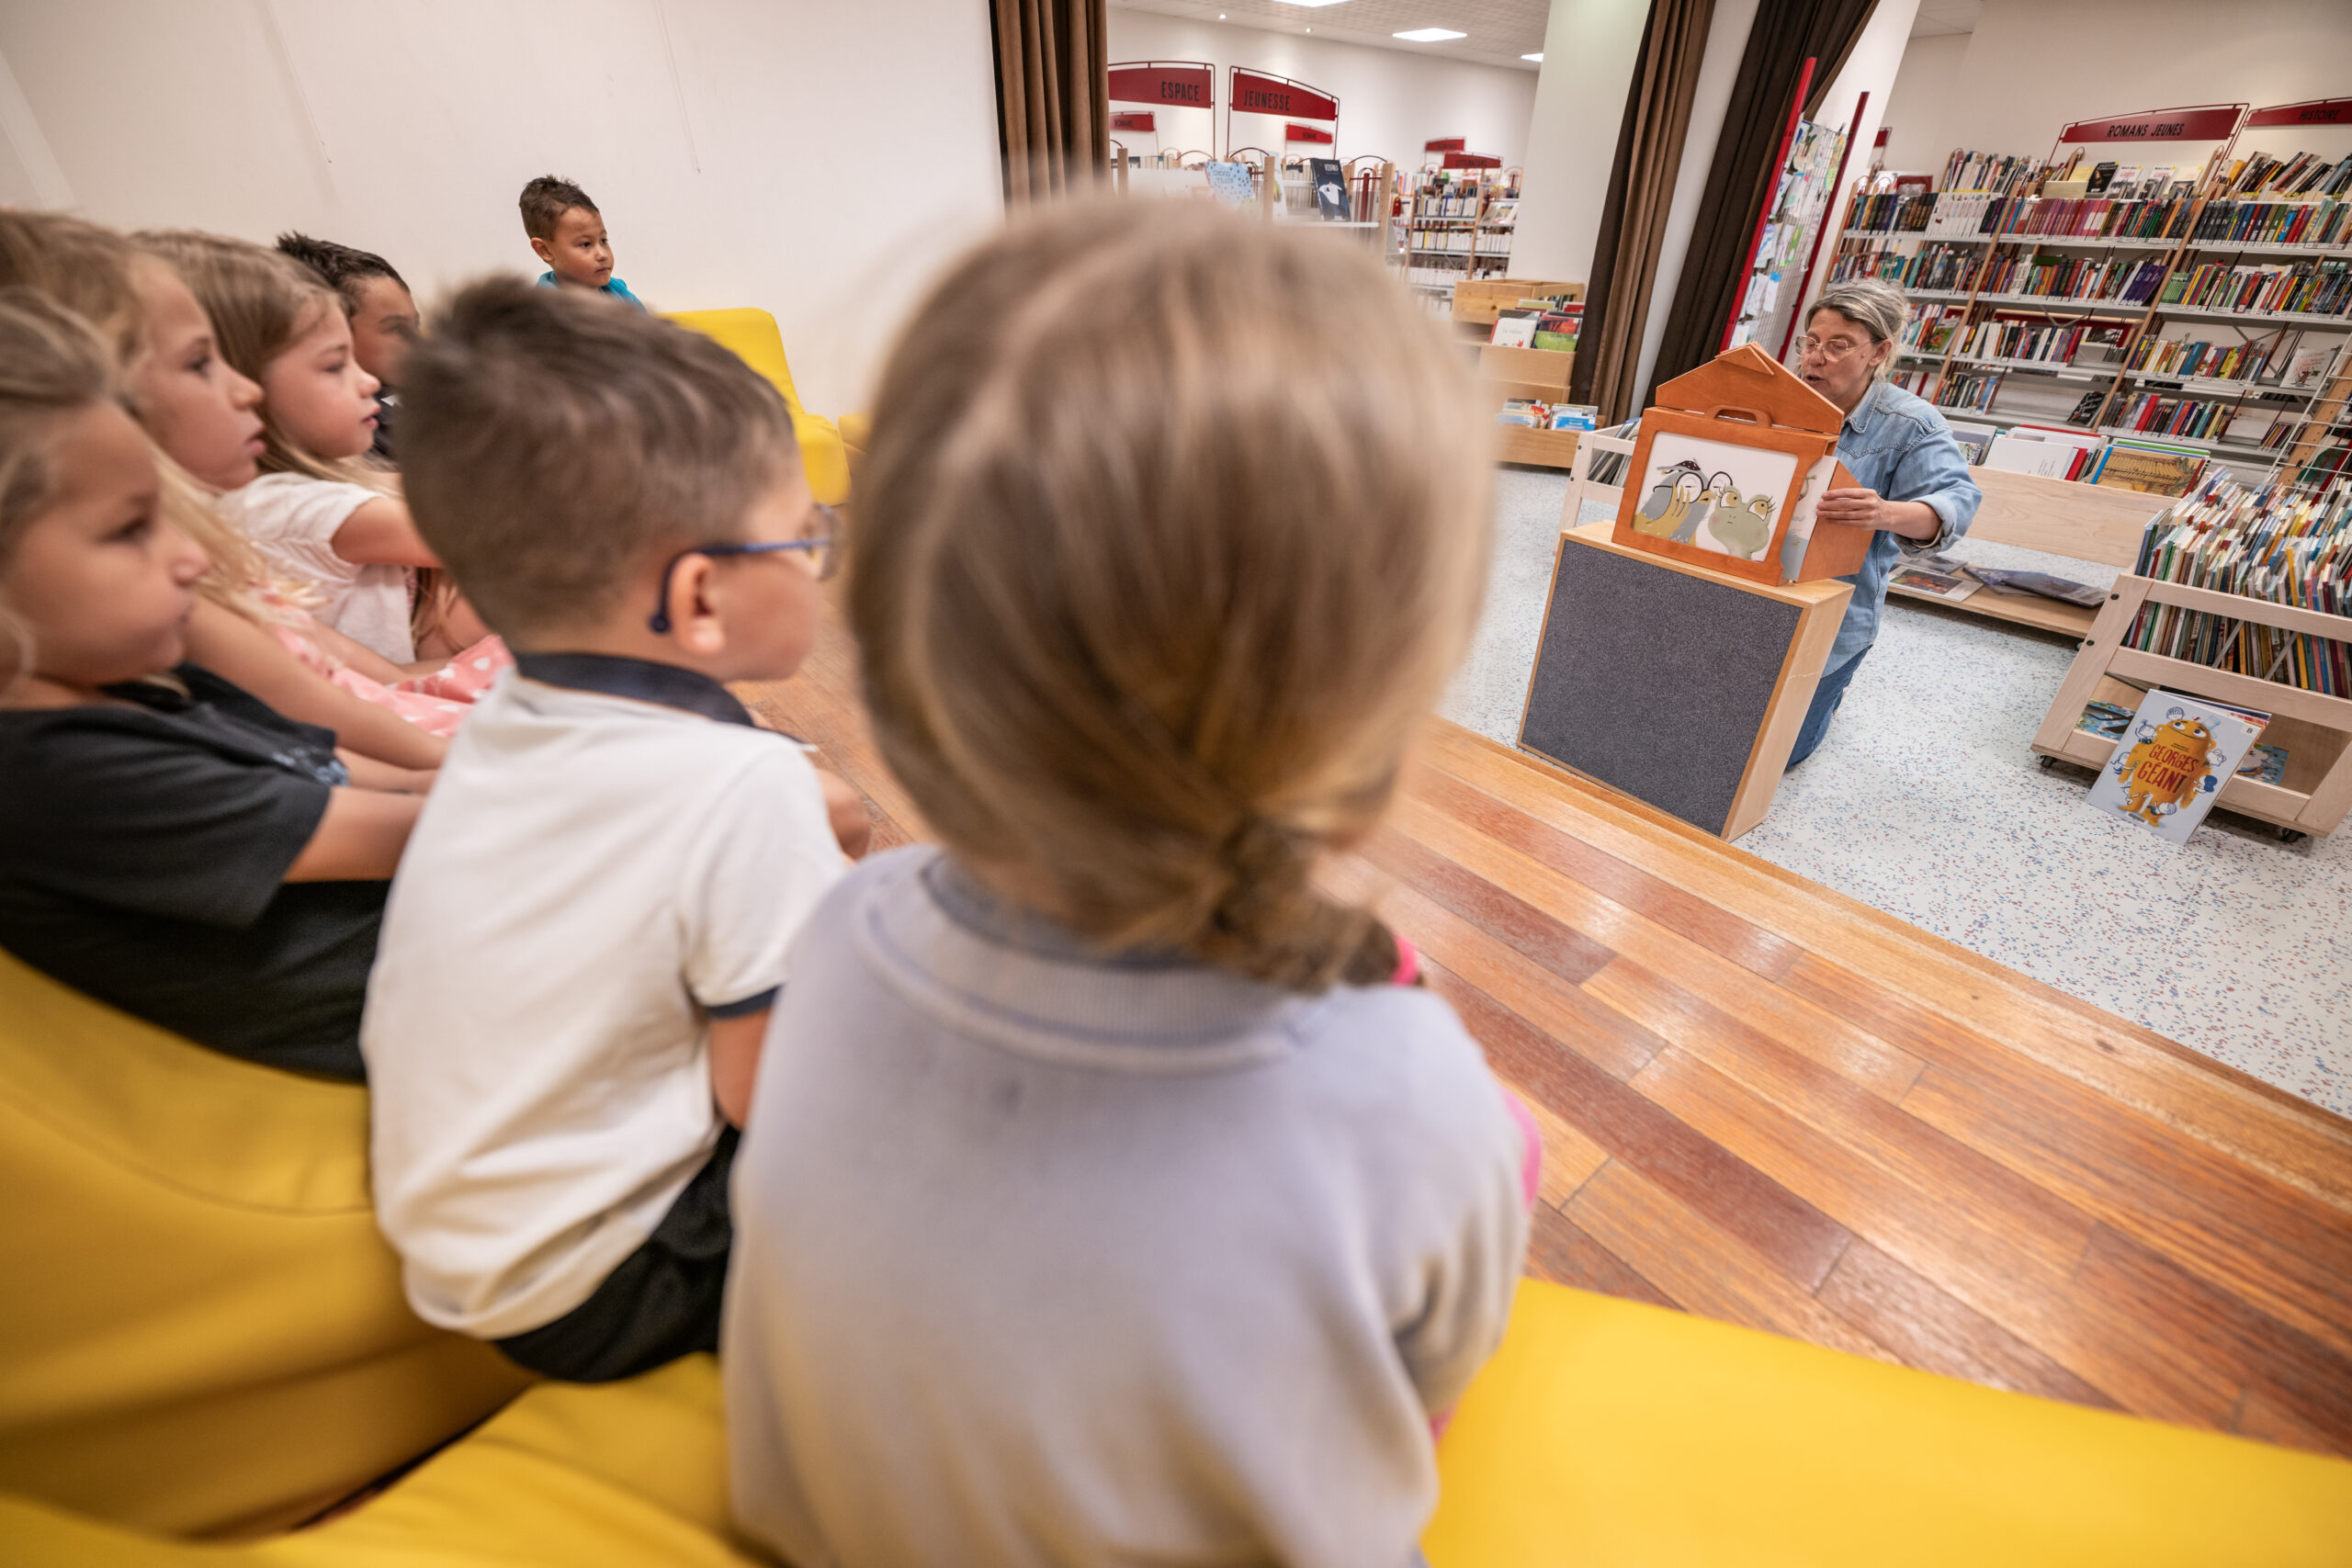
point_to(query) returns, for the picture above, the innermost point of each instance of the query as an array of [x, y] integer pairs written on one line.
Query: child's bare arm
[[382, 533], [735, 1062], [845, 809], [359, 839], [354, 654], [233, 647], [366, 773]]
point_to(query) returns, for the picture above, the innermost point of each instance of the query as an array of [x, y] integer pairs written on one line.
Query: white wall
[[1390, 102], [1590, 48], [2031, 66], [1871, 67], [819, 160], [1916, 142]]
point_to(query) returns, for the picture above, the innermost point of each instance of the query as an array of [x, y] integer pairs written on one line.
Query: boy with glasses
[[595, 913]]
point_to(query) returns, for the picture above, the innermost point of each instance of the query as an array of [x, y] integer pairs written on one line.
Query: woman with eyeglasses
[[1915, 487]]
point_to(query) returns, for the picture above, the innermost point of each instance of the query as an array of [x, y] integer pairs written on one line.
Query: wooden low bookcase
[[2059, 517], [1505, 372], [2315, 729]]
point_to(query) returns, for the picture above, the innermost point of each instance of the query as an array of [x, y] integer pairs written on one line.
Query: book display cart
[[2315, 728], [1506, 373], [2023, 276], [2239, 597]]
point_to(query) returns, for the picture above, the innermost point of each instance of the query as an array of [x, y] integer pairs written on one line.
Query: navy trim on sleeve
[[760, 1002]]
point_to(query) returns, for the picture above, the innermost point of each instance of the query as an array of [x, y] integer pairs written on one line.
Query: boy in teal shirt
[[568, 233]]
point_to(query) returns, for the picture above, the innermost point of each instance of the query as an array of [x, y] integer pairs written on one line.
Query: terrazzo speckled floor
[[1925, 803]]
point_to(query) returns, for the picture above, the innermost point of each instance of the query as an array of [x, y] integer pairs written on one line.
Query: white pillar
[[1871, 67], [1590, 48]]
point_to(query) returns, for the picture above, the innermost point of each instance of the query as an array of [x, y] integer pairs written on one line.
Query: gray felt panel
[[1655, 681]]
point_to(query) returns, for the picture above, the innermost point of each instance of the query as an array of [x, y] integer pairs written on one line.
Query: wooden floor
[[1766, 1103]]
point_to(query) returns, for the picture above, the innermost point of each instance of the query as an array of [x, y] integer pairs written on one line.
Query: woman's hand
[[1860, 508]]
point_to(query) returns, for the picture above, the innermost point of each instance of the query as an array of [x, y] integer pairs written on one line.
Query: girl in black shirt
[[168, 843]]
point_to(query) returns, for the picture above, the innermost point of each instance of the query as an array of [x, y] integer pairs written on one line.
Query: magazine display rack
[[1682, 686], [2314, 728]]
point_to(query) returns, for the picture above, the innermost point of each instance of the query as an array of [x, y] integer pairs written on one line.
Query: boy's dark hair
[[552, 442], [545, 200], [345, 267]]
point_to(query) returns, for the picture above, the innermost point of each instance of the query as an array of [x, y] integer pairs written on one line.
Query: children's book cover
[[1713, 494], [2170, 764], [1230, 183], [1331, 189]]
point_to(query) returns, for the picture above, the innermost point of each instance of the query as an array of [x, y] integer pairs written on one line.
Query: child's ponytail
[[1270, 924], [1170, 530]]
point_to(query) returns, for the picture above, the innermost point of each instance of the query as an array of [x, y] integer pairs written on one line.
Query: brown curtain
[[1053, 95], [1641, 190], [1741, 180]]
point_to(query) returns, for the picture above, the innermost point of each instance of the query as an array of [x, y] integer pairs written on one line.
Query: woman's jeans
[[1825, 698]]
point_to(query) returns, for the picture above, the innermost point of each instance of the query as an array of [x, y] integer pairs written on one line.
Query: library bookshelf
[[2206, 252]]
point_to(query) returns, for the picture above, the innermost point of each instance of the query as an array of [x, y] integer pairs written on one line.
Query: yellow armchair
[[825, 448], [201, 1333], [201, 1329], [1608, 1432]]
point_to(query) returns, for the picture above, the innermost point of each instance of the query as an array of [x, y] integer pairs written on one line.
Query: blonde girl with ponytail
[[1100, 1134]]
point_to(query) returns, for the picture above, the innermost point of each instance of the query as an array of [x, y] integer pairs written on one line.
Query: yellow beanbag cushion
[[1610, 1433], [629, 1472], [201, 1329], [753, 334]]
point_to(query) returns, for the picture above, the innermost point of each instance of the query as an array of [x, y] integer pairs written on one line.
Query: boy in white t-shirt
[[592, 918]]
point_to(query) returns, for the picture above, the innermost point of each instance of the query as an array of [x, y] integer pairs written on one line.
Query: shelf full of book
[[1456, 223], [2115, 281]]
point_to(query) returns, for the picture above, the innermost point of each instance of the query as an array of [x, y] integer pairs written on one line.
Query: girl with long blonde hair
[[316, 508], [168, 843]]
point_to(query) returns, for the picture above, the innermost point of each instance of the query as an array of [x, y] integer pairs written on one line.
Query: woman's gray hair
[[1878, 306]]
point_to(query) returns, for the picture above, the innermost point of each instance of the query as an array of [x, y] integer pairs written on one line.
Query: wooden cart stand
[[1681, 686], [2314, 728]]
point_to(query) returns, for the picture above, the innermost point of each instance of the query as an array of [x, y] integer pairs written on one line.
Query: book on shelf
[[2170, 763], [1330, 184], [2263, 762], [2039, 585], [2024, 455], [1974, 444], [1514, 328], [2151, 473], [1534, 413], [2303, 369], [1951, 587], [1230, 184], [2285, 543]]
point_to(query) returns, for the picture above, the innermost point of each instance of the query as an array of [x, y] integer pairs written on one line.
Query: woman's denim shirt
[[1900, 447]]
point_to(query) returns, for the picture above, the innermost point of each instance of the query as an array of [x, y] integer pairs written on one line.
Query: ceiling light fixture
[[1429, 35], [1537, 57]]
